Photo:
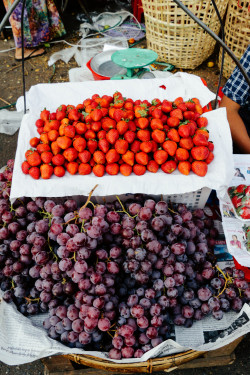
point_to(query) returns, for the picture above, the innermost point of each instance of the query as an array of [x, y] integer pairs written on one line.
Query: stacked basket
[[175, 36], [237, 33]]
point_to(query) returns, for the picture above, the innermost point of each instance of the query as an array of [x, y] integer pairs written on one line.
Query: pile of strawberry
[[111, 134], [240, 197]]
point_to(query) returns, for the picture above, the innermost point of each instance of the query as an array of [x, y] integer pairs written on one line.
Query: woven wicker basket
[[175, 36], [154, 364], [237, 33]]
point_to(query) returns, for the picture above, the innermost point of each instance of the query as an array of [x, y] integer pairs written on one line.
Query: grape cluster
[[113, 277]]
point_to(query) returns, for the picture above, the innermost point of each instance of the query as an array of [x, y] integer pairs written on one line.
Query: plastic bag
[[10, 121]]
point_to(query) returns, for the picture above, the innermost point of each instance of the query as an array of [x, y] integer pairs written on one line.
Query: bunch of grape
[[113, 277]]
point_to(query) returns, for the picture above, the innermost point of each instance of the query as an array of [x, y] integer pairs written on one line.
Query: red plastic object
[[246, 270], [137, 9], [207, 107], [97, 77]]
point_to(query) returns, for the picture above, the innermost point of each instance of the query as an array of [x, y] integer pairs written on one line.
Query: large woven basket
[[237, 32], [175, 36], [154, 364]]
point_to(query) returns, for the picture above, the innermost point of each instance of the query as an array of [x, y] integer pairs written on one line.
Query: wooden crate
[[61, 365]]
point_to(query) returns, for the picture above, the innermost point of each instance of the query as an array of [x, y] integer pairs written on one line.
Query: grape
[[178, 248], [236, 304], [84, 338], [115, 354], [104, 324], [217, 314], [204, 294], [126, 331]]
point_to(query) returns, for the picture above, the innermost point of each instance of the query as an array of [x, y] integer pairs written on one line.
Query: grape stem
[[89, 197], [29, 300], [123, 209], [228, 280]]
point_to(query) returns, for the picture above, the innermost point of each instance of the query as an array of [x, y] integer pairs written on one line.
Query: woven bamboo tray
[[237, 33], [177, 38]]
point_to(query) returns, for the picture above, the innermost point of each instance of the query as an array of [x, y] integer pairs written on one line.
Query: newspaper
[[234, 227]]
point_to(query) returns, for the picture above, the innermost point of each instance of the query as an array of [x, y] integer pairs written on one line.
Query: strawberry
[[166, 106], [183, 131], [237, 201], [184, 167], [139, 169], [40, 130], [112, 156], [146, 146], [188, 115], [89, 134], [244, 212], [96, 126], [190, 105], [34, 159], [54, 124], [46, 171], [142, 123], [135, 146], [55, 148], [157, 113], [202, 122], [112, 136], [64, 142], [173, 122], [60, 115], [99, 157], [164, 119], [182, 107], [96, 114], [156, 102], [141, 158], [154, 146], [98, 170], [176, 113], [203, 131], [158, 136], [186, 143], [200, 152], [25, 167], [122, 127], [240, 188], [152, 166], [199, 168], [34, 172], [129, 158], [101, 134], [140, 111], [53, 135], [58, 159], [79, 144], [143, 135], [169, 167], [160, 156], [131, 126], [70, 154], [59, 171], [28, 152], [192, 127], [44, 115], [103, 145], [121, 146], [198, 109], [92, 145], [84, 169], [210, 157], [46, 157], [39, 123], [156, 124], [125, 169], [44, 138], [170, 147], [42, 147], [118, 115], [173, 135], [72, 167], [84, 156], [80, 128], [182, 154], [200, 140], [74, 115], [112, 169], [129, 136], [129, 104], [34, 141]]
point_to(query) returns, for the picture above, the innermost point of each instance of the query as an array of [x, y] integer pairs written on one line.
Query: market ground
[[37, 71]]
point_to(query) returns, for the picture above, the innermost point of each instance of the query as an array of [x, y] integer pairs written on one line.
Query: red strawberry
[[34, 159], [143, 135], [42, 147], [55, 148], [157, 113], [46, 171], [169, 167], [182, 154], [210, 157], [173, 135], [96, 126], [173, 122], [118, 115], [200, 152], [84, 169], [122, 127], [192, 127], [131, 126], [155, 146], [103, 145], [40, 130], [184, 167], [240, 188], [72, 167], [166, 106], [141, 158], [156, 124], [121, 146], [188, 115], [39, 123], [46, 157], [190, 105], [198, 109], [25, 167], [34, 141], [84, 156], [135, 146], [146, 146], [129, 136], [99, 157], [70, 154], [59, 171], [108, 123], [79, 144], [170, 147], [200, 139], [125, 169], [112, 136], [44, 115], [90, 134], [96, 114], [64, 142], [129, 158], [53, 135], [112, 169], [58, 159], [139, 169], [244, 212], [160, 156], [202, 122], [183, 131], [152, 166], [158, 136], [199, 168], [176, 113], [182, 107], [140, 111], [203, 131], [74, 115], [80, 127], [186, 143], [98, 170], [142, 122], [92, 145], [112, 156], [34, 172], [101, 134]]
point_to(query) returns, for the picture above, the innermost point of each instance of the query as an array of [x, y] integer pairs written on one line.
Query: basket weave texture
[[149, 366], [237, 33], [176, 37]]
